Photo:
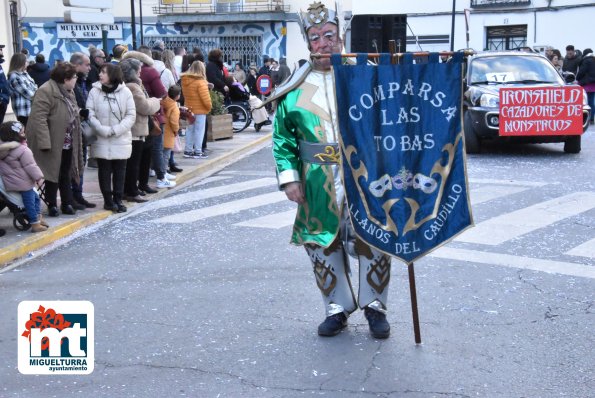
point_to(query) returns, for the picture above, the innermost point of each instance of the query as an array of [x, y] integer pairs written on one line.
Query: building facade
[[246, 30], [249, 30], [490, 24]]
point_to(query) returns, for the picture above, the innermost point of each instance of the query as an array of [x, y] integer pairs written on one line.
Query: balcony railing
[[218, 6], [498, 3]]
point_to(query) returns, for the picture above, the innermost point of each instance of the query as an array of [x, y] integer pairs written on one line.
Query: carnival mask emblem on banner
[[403, 152]]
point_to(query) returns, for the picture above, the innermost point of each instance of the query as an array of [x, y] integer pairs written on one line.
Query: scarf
[[69, 99], [108, 89]]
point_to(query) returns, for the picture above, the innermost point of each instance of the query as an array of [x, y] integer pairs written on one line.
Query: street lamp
[[140, 6], [452, 28], [133, 24]]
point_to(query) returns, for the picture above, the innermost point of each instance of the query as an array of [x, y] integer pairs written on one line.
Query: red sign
[[264, 84], [541, 111]]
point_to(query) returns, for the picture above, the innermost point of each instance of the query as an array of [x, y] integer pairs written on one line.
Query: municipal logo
[[56, 337]]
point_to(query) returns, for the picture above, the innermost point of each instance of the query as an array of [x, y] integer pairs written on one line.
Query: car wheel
[[471, 139], [573, 144]]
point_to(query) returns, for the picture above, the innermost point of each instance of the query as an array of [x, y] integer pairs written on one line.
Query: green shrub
[[217, 100]]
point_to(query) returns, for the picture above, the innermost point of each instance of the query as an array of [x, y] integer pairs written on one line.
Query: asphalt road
[[200, 295]]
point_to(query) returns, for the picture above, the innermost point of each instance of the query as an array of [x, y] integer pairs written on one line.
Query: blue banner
[[402, 152]]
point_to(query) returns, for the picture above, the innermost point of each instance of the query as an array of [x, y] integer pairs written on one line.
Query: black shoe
[[141, 192], [111, 207], [175, 169], [379, 327], [53, 211], [121, 208], [68, 209], [137, 199], [2, 232], [332, 325], [148, 189], [85, 202], [78, 206]]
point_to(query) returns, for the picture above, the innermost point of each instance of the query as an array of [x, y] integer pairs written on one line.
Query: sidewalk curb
[[209, 165], [38, 241], [43, 239]]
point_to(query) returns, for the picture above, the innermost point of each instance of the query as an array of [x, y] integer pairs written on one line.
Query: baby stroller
[[14, 202]]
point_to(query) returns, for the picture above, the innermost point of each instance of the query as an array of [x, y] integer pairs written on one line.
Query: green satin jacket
[[308, 113]]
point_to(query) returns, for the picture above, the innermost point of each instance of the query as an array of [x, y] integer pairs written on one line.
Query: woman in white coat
[[111, 114]]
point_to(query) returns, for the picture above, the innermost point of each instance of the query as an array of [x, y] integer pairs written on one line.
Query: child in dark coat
[[19, 171]]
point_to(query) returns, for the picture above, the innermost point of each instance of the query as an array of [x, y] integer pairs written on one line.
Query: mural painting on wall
[[43, 37]]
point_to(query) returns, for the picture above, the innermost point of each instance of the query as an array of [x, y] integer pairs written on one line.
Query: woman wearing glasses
[[54, 135]]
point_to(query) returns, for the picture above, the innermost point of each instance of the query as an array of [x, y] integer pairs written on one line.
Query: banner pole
[[394, 55], [392, 47], [415, 313]]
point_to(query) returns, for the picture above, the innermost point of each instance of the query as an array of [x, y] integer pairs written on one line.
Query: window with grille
[[244, 49], [500, 38]]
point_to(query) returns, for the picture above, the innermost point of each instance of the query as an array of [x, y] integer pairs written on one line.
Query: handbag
[[88, 132], [154, 125], [187, 115], [178, 144]]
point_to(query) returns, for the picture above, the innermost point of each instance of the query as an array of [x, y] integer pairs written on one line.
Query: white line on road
[[500, 229], [224, 208], [507, 260], [259, 173], [534, 184], [586, 249], [491, 192], [201, 194], [272, 221]]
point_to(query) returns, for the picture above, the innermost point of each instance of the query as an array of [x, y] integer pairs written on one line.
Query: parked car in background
[[489, 72]]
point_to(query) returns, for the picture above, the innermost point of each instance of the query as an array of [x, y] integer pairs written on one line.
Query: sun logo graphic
[[56, 337]]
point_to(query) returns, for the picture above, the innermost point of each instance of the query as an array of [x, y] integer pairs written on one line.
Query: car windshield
[[505, 69]]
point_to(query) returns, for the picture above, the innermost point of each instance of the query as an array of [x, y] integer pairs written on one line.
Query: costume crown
[[317, 15]]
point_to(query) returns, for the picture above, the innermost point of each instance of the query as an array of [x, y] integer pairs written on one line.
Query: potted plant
[[219, 122]]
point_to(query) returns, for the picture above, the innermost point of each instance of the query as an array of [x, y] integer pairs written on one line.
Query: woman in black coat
[[215, 71], [586, 78]]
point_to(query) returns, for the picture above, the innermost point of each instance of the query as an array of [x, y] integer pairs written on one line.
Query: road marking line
[[491, 192], [586, 249], [224, 208], [185, 198], [500, 229], [260, 173], [507, 182], [284, 219], [272, 221], [512, 261]]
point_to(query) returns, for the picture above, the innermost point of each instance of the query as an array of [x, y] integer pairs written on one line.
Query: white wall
[[55, 8], [296, 46], [6, 39], [433, 6], [5, 31], [557, 28]]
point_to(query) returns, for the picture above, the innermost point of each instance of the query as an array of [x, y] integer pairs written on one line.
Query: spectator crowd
[[119, 113]]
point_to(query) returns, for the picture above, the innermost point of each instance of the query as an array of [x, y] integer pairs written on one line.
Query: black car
[[486, 74]]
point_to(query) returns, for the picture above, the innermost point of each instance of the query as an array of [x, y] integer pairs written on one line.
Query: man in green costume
[[305, 147]]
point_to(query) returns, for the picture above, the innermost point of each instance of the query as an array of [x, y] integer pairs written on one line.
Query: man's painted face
[[324, 40]]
